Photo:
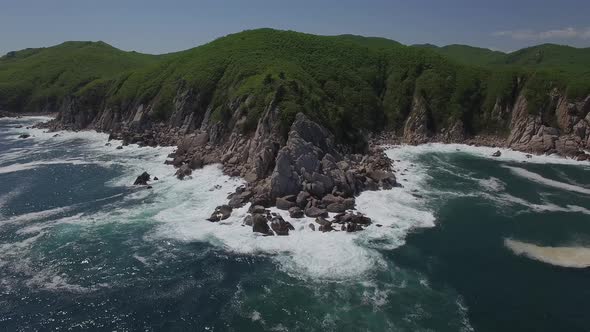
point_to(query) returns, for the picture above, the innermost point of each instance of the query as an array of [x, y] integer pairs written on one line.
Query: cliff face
[[563, 128], [307, 161]]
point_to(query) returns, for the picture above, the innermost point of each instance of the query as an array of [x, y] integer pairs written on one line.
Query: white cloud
[[565, 33]]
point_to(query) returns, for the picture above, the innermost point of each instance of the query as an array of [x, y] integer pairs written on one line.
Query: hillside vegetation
[[33, 78], [349, 83], [552, 62], [468, 54]]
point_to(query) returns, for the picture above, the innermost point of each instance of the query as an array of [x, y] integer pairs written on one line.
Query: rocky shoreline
[[309, 175], [305, 170], [564, 130]]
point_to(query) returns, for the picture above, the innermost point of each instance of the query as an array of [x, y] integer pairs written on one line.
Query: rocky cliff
[[562, 127], [305, 170]]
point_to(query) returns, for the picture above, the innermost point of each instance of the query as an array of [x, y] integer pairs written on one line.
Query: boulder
[[348, 203], [352, 227], [378, 175], [183, 172], [142, 180], [260, 225], [331, 199], [221, 213], [248, 220], [257, 209], [321, 221], [283, 204], [239, 198], [336, 208], [280, 226], [196, 162], [314, 212], [296, 212], [301, 199], [317, 189], [261, 199], [350, 217], [326, 227]]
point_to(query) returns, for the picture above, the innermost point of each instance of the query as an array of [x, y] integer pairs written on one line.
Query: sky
[[173, 25]]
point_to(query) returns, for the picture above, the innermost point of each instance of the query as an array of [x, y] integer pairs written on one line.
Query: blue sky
[[167, 26]]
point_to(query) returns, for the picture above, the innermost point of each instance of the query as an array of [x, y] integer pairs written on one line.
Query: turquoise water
[[462, 246]]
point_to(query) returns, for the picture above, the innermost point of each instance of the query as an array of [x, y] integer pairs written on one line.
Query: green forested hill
[[560, 57], [347, 82], [33, 77], [545, 56], [468, 54], [567, 64]]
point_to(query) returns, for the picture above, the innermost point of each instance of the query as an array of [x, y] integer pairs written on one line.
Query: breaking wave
[[178, 210], [547, 182]]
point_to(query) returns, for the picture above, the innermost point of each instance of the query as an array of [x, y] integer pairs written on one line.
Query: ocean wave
[[37, 215], [17, 167], [573, 257], [547, 182], [492, 184], [6, 198], [30, 119], [505, 199]]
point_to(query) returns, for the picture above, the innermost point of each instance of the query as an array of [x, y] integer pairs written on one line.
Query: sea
[[468, 242]]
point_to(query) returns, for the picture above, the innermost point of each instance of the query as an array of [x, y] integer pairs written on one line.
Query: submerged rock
[[183, 172], [142, 180], [248, 220], [280, 226], [260, 225], [497, 154]]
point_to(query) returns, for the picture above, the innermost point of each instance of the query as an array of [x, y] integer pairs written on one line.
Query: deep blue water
[[82, 249]]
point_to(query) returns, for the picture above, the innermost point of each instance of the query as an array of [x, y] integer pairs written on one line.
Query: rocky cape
[[305, 170]]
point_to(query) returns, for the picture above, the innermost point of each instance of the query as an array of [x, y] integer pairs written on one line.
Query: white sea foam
[[547, 182], [485, 152], [38, 215], [180, 207], [507, 199], [574, 257], [334, 255], [6, 198], [492, 184], [34, 164], [29, 120], [494, 187]]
